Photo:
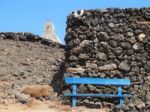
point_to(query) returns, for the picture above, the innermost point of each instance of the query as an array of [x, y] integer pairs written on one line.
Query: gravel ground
[[26, 63], [47, 106]]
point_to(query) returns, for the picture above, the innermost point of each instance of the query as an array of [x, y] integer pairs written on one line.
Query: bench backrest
[[99, 81]]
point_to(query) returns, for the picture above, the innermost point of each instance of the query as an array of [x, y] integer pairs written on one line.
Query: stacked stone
[[111, 43], [27, 36]]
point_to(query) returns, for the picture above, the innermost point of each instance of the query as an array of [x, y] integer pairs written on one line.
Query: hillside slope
[[26, 63]]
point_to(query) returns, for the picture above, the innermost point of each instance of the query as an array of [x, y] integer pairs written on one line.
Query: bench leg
[[74, 91], [121, 99]]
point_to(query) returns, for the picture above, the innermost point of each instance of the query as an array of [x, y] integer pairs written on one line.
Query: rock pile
[[111, 43]]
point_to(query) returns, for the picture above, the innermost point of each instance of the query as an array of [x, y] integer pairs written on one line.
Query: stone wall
[[111, 43], [27, 36]]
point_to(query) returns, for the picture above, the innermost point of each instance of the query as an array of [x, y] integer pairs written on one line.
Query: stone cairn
[[49, 32], [111, 43]]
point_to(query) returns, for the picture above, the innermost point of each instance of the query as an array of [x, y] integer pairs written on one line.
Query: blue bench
[[97, 81]]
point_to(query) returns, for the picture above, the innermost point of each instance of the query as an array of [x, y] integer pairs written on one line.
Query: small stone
[[126, 45], [86, 101], [22, 38], [83, 37], [130, 34], [101, 56], [111, 25], [98, 104], [94, 22], [148, 103], [148, 97], [82, 89], [45, 42], [98, 28], [147, 66], [125, 108], [73, 58], [120, 37], [136, 46], [92, 103], [76, 50], [130, 52], [75, 70], [141, 37], [113, 43], [111, 56], [118, 50], [131, 105], [104, 11], [111, 66], [2, 36], [103, 36], [132, 40], [85, 43], [91, 65], [15, 37], [139, 104], [23, 98], [76, 41], [124, 66], [91, 88], [83, 56], [148, 78], [21, 73]]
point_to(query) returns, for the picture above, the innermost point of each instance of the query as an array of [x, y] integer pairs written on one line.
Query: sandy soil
[[47, 106]]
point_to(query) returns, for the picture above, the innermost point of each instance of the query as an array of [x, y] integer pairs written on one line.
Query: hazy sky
[[31, 15]]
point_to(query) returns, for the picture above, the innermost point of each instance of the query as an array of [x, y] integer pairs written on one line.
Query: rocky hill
[[27, 59]]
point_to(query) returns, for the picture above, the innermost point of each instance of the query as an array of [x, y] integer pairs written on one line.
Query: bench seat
[[98, 95], [97, 81]]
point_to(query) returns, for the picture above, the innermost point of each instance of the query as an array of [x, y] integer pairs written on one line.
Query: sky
[[31, 15]]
